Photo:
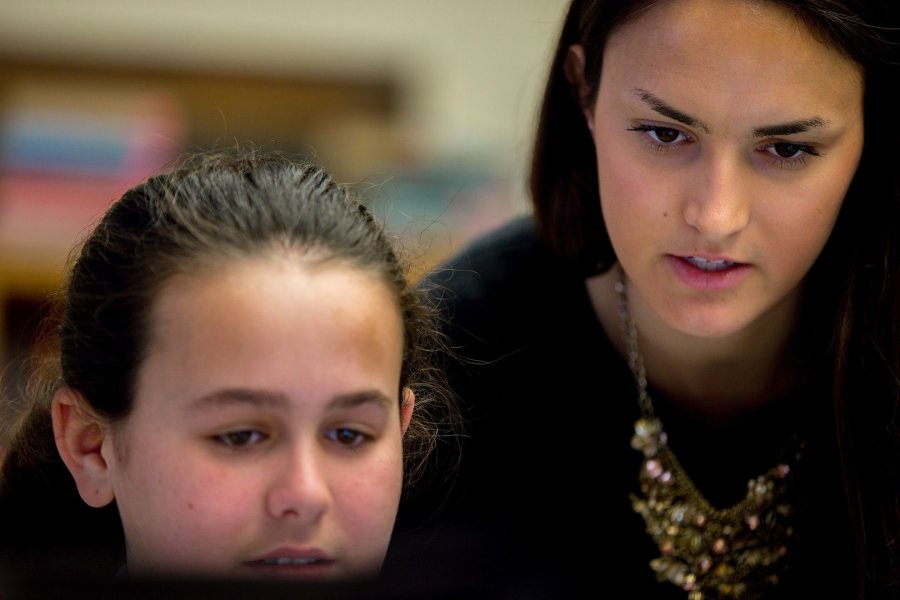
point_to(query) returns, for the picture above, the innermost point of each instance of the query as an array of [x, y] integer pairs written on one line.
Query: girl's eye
[[348, 437], [662, 137], [240, 439]]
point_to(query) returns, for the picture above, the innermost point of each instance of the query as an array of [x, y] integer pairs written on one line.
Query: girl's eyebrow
[[232, 396], [788, 128], [354, 399]]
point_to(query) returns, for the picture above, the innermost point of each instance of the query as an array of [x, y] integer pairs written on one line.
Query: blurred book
[[67, 152], [440, 206]]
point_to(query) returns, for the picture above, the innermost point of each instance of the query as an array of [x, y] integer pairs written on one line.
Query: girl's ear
[[573, 67], [406, 409], [79, 438]]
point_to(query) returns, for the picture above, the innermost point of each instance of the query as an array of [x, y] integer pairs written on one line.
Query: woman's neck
[[717, 379]]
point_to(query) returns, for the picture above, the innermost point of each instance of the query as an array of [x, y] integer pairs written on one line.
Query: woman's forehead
[[701, 54]]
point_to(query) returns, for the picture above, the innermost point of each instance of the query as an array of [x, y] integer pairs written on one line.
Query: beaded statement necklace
[[735, 552]]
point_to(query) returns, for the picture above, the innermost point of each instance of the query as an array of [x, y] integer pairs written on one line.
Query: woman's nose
[[719, 204]]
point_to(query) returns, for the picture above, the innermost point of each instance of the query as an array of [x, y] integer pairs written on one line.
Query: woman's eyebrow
[[788, 128], [667, 110]]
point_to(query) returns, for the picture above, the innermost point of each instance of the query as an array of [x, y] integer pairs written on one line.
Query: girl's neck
[[716, 379]]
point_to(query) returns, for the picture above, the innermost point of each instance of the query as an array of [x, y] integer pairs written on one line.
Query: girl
[[239, 385], [687, 362]]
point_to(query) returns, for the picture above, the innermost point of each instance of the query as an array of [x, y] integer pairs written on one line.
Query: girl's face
[[266, 431], [726, 139]]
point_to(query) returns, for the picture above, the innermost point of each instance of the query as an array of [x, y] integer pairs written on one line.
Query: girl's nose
[[299, 490]]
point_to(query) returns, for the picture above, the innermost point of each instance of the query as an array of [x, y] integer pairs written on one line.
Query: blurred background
[[427, 106]]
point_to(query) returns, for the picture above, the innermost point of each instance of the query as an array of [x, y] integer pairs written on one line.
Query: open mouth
[[710, 266], [709, 273], [279, 565]]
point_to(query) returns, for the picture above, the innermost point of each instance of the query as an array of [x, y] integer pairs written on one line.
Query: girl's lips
[[314, 571], [710, 274], [293, 562]]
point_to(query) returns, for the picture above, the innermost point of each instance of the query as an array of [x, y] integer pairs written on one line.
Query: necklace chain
[[736, 552]]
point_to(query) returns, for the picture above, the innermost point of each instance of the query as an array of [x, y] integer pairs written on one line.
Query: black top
[[541, 498]]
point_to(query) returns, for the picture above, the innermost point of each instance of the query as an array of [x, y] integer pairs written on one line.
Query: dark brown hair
[[208, 209], [850, 324]]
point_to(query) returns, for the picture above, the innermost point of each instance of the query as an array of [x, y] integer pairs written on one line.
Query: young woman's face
[[726, 139], [266, 432]]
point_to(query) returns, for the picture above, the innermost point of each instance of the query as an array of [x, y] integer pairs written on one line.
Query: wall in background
[[469, 71], [428, 105], [466, 76]]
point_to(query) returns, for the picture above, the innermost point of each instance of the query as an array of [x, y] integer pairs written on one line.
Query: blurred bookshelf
[[74, 137]]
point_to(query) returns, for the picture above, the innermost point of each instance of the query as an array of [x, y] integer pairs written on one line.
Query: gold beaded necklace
[[736, 552]]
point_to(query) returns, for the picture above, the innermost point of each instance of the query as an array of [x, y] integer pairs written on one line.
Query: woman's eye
[[348, 437], [789, 155], [665, 135], [661, 136], [788, 150], [241, 438]]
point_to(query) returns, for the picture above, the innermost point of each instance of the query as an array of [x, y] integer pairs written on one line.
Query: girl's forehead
[[279, 267], [273, 324], [267, 287]]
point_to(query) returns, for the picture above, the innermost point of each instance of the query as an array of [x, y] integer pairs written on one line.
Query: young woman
[[240, 375], [681, 376]]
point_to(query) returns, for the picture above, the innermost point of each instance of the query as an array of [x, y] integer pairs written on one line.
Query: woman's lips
[[708, 273]]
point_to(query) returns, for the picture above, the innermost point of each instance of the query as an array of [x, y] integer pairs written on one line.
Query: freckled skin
[[308, 334]]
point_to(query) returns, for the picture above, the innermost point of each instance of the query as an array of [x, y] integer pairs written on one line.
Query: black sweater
[[540, 503]]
